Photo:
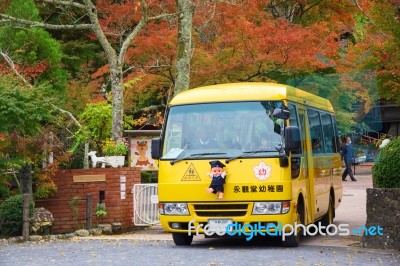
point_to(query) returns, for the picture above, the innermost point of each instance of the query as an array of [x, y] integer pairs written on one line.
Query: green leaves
[[96, 123], [11, 215], [22, 110], [34, 51], [386, 171], [101, 210]]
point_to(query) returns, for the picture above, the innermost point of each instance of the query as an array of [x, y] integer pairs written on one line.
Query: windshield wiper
[[246, 154], [195, 155]]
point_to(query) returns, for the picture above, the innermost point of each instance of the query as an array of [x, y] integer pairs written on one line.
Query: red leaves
[[29, 72], [35, 70]]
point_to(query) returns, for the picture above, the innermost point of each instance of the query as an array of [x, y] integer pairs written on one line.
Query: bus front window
[[222, 128]]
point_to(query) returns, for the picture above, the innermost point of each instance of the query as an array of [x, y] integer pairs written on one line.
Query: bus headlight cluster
[[173, 208], [268, 207]]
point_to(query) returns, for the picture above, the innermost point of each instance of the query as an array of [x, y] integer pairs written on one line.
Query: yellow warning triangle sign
[[191, 174]]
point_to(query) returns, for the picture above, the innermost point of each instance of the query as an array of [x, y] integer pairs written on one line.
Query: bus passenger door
[[305, 169]]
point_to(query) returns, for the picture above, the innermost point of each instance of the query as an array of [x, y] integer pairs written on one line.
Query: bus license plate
[[219, 224]]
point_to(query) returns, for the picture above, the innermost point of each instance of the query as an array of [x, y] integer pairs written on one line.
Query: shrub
[[149, 176], [118, 148], [11, 215], [386, 171], [4, 191], [101, 210]]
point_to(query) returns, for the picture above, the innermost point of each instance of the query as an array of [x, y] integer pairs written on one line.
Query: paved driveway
[[151, 252]]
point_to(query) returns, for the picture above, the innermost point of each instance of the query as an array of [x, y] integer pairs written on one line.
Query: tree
[[114, 46], [96, 124], [384, 26], [36, 54], [308, 44], [23, 112], [184, 46]]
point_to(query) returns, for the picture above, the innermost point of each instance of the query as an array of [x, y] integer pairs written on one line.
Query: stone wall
[[73, 187], [383, 209]]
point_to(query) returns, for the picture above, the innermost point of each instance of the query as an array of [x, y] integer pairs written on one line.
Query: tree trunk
[[25, 217], [86, 156], [117, 101], [25, 179], [184, 47]]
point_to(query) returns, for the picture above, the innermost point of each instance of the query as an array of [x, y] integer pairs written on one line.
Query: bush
[[11, 215], [149, 176], [4, 191], [386, 171]]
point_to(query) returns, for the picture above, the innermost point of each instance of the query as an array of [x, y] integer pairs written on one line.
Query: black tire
[[330, 214], [182, 239], [293, 240]]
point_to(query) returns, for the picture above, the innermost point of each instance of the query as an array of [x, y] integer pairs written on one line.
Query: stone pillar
[[383, 210]]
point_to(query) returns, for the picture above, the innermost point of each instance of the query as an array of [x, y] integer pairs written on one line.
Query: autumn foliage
[[347, 51]]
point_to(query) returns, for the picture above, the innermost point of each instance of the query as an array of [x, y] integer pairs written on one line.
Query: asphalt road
[[217, 252]]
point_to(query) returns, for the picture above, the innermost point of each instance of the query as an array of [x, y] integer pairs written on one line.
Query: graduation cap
[[216, 164]]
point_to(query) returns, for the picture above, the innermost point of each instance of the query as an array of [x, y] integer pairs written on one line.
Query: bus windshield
[[223, 130]]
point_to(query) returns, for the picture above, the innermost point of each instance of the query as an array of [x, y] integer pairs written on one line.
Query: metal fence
[[145, 204]]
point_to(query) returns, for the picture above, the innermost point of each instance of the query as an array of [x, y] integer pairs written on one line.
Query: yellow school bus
[[294, 179]]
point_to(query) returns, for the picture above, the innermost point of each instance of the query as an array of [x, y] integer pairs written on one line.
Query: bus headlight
[[269, 208], [173, 208]]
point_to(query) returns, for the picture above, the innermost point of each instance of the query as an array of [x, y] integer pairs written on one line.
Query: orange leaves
[[251, 41], [104, 70], [156, 119], [117, 18], [155, 45]]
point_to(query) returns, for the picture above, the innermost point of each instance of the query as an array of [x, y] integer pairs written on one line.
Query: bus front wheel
[[293, 240], [182, 239]]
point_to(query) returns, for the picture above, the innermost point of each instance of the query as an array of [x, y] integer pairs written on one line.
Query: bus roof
[[250, 91]]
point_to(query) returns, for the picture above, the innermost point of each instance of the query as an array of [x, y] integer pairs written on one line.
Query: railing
[[370, 136], [145, 204]]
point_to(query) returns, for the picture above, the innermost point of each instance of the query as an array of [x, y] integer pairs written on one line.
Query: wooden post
[[25, 217], [88, 211], [85, 158], [25, 177]]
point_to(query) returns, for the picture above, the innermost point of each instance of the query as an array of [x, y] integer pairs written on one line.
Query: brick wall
[[118, 209]]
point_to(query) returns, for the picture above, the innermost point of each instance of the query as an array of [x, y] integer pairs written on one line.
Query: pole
[[88, 211], [25, 217]]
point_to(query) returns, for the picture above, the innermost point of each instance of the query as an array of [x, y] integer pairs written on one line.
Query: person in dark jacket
[[348, 157], [203, 141]]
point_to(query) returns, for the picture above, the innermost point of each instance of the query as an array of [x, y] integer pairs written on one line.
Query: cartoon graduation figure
[[218, 175]]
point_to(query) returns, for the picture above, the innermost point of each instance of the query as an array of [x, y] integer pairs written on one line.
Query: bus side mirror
[[292, 138], [156, 148], [282, 113]]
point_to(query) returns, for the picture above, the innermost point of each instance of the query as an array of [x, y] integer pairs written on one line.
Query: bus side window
[[315, 131], [336, 139], [328, 130], [294, 121], [297, 155]]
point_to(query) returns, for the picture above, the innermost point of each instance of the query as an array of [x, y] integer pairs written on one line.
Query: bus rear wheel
[[182, 239], [293, 240], [330, 214]]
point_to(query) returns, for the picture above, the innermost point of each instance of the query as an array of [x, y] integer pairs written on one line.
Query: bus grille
[[220, 210]]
